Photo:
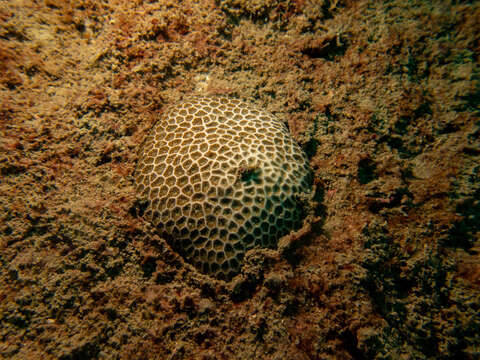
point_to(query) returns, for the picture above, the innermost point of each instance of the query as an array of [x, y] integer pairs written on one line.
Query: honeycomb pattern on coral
[[220, 177]]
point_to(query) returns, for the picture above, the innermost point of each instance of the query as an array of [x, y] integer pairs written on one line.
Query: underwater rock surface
[[382, 96]]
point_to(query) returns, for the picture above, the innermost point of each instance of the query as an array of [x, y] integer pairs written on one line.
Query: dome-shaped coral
[[220, 177]]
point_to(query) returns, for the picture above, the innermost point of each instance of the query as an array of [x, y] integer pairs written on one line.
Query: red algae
[[383, 98]]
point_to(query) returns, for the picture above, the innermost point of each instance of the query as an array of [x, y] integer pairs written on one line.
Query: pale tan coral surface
[[220, 177], [381, 95]]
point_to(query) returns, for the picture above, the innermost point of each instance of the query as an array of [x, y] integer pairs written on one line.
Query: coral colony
[[220, 177]]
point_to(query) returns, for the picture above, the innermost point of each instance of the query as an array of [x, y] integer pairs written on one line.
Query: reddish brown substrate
[[383, 96]]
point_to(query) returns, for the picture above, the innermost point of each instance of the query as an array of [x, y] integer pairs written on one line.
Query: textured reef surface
[[383, 98]]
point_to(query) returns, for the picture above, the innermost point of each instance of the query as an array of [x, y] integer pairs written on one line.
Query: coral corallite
[[220, 177]]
